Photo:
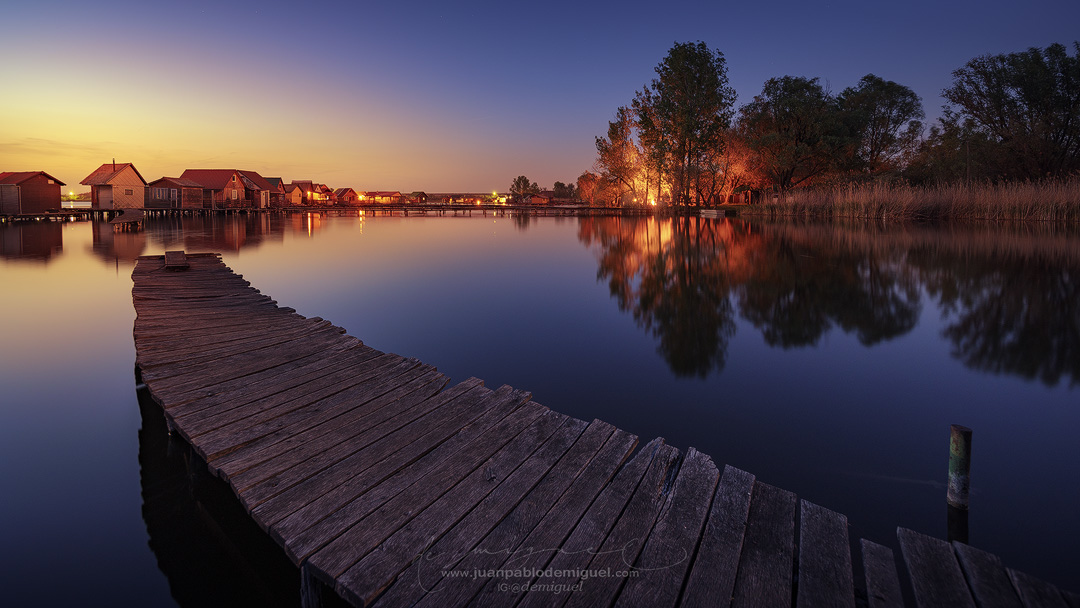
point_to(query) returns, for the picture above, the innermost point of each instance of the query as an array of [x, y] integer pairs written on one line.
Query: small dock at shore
[[389, 487]]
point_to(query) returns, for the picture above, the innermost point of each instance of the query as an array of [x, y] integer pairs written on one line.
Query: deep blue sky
[[431, 95]]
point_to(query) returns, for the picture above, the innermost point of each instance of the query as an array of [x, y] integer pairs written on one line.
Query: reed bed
[[1057, 201]]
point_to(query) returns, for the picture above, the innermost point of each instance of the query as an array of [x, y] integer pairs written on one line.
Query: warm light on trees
[[795, 129], [520, 187], [619, 158], [686, 110]]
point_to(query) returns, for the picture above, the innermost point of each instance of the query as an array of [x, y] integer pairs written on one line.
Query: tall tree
[[795, 128], [689, 108], [885, 120], [619, 157], [520, 187], [1029, 102]]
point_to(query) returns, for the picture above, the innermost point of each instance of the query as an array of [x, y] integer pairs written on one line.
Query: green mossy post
[[959, 466]]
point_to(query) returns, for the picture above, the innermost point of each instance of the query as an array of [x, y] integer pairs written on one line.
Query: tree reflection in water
[[1009, 295]]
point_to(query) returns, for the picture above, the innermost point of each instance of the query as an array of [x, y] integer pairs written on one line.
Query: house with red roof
[[346, 196], [381, 197], [116, 186], [277, 192], [231, 188], [316, 195], [294, 195], [174, 193], [222, 188], [28, 192]]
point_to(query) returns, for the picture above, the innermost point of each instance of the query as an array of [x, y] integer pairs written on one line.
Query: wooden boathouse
[[382, 483]]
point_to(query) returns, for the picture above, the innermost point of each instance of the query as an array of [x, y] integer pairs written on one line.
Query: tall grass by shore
[[1057, 201]]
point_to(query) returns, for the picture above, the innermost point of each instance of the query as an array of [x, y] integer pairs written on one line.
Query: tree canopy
[[1029, 102], [685, 111], [794, 126], [885, 120]]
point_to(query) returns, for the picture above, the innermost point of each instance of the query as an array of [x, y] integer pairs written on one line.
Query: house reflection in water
[[37, 241]]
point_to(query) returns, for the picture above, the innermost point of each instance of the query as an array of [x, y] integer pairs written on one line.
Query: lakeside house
[[116, 186], [540, 198], [174, 193], [277, 191], [294, 195], [231, 188], [346, 196], [28, 192], [256, 189], [315, 195], [380, 197]]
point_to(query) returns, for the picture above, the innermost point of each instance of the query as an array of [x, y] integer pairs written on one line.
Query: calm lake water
[[829, 360]]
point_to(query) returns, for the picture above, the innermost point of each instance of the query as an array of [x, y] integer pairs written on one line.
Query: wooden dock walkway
[[394, 490]]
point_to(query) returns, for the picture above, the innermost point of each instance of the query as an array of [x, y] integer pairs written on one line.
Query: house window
[[173, 194], [234, 197], [51, 182], [128, 192], [234, 179]]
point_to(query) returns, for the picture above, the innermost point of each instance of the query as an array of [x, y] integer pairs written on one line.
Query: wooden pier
[[382, 483]]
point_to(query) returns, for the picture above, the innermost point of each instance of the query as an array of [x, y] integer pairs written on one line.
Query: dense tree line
[[680, 141]]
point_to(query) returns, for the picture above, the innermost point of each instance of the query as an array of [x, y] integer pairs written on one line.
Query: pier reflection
[[207, 547], [1008, 295], [35, 241]]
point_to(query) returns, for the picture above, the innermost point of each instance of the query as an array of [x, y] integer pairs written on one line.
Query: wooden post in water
[[959, 466]]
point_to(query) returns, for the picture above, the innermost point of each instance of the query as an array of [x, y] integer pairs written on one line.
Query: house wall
[[162, 200], [38, 194], [101, 197], [129, 191], [224, 198], [9, 199], [191, 198], [294, 198]]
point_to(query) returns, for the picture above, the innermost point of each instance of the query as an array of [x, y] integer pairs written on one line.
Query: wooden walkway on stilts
[[394, 490]]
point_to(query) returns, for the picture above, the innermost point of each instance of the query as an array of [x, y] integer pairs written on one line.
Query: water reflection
[[1009, 296], [207, 547], [38, 241]]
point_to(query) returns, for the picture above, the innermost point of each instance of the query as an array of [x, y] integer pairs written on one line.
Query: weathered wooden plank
[[986, 577], [712, 578], [309, 528], [573, 482], [246, 363], [1035, 592], [296, 439], [825, 577], [935, 574], [280, 357], [296, 498], [503, 479], [185, 343], [372, 374], [671, 545], [519, 433], [624, 543], [363, 422], [227, 439], [882, 582], [260, 386], [197, 376], [175, 260], [586, 538], [766, 563], [190, 353]]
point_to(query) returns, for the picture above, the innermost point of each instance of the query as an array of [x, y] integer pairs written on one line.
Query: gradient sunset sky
[[436, 96]]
